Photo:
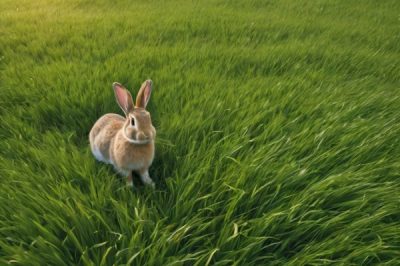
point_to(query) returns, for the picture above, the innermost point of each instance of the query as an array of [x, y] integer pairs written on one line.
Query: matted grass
[[278, 132]]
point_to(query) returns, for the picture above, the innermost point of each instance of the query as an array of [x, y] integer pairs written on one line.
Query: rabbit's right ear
[[144, 93], [124, 98]]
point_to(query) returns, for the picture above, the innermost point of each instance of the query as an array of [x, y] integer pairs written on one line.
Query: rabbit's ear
[[144, 93], [124, 98]]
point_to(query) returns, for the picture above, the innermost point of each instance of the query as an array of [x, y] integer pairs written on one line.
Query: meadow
[[278, 132]]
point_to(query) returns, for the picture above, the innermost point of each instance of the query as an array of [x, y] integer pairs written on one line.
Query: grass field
[[278, 129]]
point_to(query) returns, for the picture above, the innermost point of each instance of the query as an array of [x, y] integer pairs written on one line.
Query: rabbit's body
[[102, 135], [126, 143], [109, 145]]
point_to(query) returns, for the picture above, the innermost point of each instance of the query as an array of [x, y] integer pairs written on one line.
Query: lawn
[[278, 132]]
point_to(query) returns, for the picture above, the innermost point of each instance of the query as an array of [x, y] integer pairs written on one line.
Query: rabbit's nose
[[142, 136]]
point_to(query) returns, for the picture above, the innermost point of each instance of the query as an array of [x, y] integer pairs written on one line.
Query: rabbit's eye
[[132, 121]]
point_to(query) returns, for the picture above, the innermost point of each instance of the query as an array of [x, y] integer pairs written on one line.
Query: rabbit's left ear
[[124, 98], [144, 94]]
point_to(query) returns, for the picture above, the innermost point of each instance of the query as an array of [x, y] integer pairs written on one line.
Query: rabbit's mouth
[[140, 138]]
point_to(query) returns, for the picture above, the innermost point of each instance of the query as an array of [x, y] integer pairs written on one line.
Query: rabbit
[[126, 143]]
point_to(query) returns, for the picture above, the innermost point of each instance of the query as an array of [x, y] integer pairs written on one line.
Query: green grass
[[278, 132]]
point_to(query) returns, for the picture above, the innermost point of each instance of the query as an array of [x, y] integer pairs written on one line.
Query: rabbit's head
[[137, 128]]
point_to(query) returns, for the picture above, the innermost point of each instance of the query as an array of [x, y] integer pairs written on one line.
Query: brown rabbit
[[126, 143]]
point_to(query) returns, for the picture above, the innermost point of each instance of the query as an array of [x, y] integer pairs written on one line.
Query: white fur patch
[[98, 155]]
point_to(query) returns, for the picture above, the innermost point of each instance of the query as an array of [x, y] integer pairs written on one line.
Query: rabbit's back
[[102, 134]]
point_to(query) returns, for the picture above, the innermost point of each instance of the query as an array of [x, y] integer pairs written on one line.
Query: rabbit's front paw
[[145, 177]]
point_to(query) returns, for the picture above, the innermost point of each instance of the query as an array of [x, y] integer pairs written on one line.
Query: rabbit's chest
[[136, 157]]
